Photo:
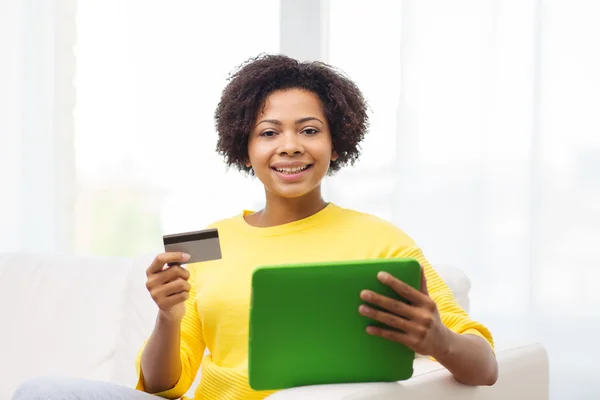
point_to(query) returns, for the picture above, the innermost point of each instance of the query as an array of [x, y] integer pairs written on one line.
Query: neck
[[279, 210]]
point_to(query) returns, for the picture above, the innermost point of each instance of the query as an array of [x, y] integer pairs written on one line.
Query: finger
[[394, 336], [424, 282], [394, 306], [157, 281], [175, 287], [160, 260], [405, 291], [173, 300], [170, 275], [391, 320]]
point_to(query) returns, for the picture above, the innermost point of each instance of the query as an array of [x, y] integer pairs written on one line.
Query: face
[[290, 146]]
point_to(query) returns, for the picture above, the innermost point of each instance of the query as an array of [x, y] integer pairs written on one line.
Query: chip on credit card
[[201, 245]]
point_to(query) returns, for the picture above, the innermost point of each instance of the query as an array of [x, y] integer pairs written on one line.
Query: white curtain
[[36, 125], [484, 147]]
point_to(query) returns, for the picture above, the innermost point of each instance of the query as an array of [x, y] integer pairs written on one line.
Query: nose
[[290, 144]]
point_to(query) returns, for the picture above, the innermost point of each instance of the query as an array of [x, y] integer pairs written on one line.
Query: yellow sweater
[[218, 307]]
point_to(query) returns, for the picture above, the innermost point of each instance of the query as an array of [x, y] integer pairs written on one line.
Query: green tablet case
[[305, 328]]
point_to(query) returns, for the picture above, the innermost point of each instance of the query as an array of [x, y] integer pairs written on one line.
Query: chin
[[292, 191]]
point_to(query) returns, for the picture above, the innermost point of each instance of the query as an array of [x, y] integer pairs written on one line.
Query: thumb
[[424, 282]]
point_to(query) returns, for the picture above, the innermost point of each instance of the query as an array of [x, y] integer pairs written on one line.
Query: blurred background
[[484, 143]]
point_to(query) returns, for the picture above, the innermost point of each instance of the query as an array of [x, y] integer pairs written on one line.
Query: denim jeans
[[59, 388]]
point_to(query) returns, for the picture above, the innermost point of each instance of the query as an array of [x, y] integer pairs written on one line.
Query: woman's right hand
[[169, 287]]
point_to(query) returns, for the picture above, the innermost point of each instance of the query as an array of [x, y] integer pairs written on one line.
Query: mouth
[[292, 171], [290, 174]]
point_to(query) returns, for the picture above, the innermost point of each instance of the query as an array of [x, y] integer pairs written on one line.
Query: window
[[148, 78]]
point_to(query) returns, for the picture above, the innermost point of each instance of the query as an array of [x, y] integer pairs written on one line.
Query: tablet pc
[[305, 328]]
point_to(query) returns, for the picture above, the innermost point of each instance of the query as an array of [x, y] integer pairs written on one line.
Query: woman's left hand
[[419, 323]]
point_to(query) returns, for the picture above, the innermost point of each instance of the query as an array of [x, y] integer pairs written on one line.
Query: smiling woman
[[290, 124]]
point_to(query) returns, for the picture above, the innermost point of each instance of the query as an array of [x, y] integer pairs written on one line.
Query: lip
[[291, 177]]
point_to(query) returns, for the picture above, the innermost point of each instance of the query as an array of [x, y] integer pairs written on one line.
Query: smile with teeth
[[291, 171]]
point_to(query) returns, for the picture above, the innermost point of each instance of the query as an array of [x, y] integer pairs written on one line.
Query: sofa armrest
[[523, 374]]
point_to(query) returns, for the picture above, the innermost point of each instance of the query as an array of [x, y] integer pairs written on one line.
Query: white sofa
[[87, 317]]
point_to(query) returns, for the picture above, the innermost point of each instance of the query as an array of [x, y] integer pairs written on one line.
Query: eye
[[268, 133], [310, 131]]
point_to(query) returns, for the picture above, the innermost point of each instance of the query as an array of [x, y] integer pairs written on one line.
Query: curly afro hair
[[249, 86]]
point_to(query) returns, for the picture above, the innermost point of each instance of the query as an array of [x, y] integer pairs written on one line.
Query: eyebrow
[[300, 121]]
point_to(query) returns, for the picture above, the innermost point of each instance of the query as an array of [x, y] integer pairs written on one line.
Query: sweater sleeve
[[452, 315], [191, 348]]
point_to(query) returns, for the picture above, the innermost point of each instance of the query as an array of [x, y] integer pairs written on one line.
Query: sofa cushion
[[139, 316], [458, 282], [61, 316]]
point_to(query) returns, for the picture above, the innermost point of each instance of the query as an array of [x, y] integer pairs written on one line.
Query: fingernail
[[363, 309], [383, 275], [365, 294], [185, 256]]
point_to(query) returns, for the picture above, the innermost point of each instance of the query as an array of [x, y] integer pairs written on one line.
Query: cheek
[[325, 150], [258, 155]]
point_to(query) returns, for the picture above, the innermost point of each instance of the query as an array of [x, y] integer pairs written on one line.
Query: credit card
[[201, 245]]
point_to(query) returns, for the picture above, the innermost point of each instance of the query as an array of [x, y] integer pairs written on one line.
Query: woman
[[290, 124]]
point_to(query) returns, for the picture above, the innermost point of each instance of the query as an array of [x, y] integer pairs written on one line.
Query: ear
[[334, 155]]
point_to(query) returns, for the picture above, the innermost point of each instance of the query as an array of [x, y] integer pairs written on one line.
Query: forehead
[[292, 103]]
